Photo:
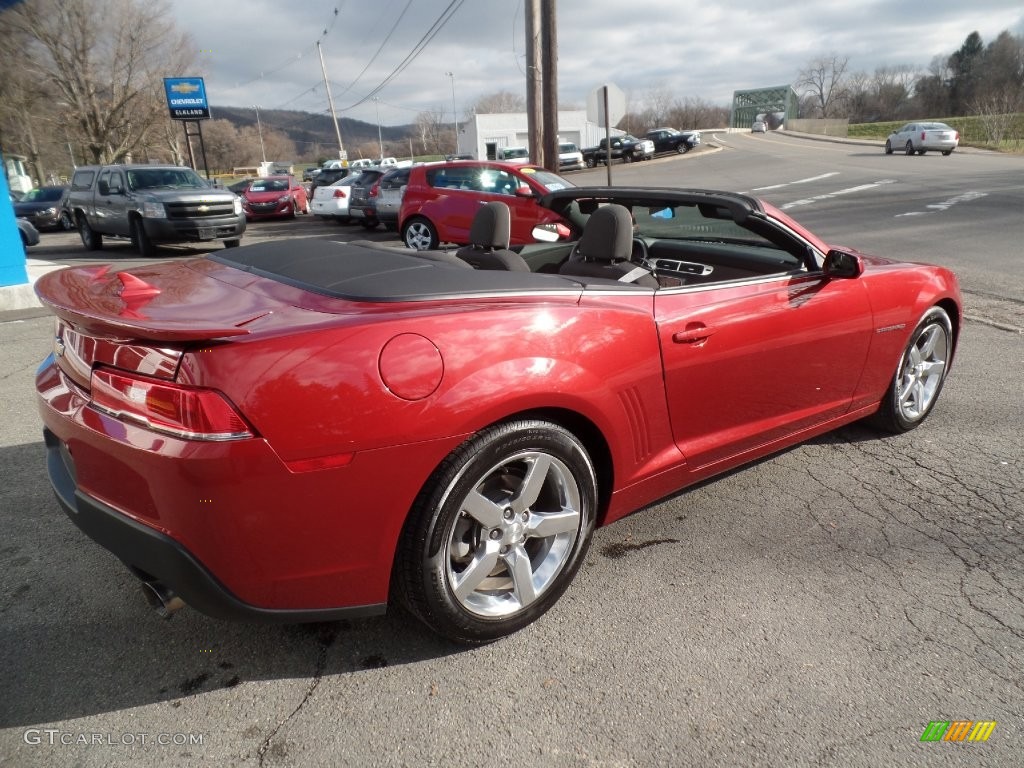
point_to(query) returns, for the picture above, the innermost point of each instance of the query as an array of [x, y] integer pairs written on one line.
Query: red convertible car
[[310, 430]]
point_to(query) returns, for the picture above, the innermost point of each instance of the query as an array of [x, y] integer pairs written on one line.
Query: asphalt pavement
[[822, 607]]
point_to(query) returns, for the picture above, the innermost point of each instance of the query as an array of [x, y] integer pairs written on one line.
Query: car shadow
[[79, 639]]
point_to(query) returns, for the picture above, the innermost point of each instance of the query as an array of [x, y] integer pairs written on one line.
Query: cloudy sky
[[264, 52]]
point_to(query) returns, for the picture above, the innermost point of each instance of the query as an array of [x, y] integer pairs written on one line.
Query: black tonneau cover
[[363, 271]]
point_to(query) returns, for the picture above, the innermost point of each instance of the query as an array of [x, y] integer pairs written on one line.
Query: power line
[[424, 41]]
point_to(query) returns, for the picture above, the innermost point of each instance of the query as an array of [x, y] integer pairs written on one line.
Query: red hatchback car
[[441, 200], [307, 432], [274, 197]]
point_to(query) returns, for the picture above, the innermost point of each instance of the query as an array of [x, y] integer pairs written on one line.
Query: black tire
[[232, 243], [66, 223], [589, 162], [369, 224], [947, 152], [92, 240], [498, 532], [921, 151], [682, 148], [420, 235], [888, 147], [627, 158], [141, 240], [909, 149], [919, 376]]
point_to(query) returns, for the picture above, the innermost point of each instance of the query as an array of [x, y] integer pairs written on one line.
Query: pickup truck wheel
[[420, 235], [498, 531], [92, 241], [66, 222], [589, 162], [141, 240], [627, 158]]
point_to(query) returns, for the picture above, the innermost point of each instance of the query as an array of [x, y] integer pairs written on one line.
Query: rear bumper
[[226, 525], [153, 555]]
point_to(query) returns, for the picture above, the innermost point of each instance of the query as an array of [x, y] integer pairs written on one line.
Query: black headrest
[[608, 235], [492, 226]]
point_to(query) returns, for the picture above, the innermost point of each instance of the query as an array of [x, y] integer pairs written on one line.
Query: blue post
[[12, 253]]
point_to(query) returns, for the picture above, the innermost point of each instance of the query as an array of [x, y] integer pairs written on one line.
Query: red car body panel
[[353, 402], [451, 211]]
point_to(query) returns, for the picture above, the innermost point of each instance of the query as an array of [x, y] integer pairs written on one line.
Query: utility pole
[[380, 138], [259, 128], [534, 110], [342, 155], [455, 115], [549, 67]]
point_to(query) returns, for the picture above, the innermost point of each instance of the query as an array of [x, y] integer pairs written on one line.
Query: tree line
[[976, 79]]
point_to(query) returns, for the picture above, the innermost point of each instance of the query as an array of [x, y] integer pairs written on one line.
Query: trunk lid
[[142, 320]]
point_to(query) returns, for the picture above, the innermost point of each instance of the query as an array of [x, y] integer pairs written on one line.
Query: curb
[[23, 296]]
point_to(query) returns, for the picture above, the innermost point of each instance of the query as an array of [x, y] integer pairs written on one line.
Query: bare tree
[[824, 81], [433, 131], [104, 60], [500, 102]]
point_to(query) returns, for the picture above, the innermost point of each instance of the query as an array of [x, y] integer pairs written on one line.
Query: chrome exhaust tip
[[161, 599]]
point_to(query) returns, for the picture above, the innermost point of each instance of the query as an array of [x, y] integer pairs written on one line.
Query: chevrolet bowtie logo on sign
[[186, 98], [958, 730], [185, 88]]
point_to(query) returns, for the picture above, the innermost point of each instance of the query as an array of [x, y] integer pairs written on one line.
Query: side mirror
[[523, 191], [843, 264], [551, 233]]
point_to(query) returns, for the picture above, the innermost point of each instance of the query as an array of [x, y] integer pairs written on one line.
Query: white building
[[483, 135]]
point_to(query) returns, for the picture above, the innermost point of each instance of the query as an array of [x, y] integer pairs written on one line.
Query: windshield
[[269, 185], [551, 181], [165, 178], [43, 195], [515, 152]]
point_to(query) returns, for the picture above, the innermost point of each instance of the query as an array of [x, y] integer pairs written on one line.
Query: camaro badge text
[[888, 328]]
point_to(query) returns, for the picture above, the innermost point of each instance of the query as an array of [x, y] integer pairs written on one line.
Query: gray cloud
[[263, 52]]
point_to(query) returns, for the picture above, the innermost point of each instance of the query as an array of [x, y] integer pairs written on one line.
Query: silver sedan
[[921, 137]]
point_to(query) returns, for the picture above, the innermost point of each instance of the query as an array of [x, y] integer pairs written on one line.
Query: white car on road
[[921, 137]]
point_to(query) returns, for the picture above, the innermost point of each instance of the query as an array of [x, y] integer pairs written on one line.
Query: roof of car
[[369, 272], [739, 205]]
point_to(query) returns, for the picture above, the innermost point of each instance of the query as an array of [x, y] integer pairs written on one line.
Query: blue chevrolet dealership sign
[[186, 98]]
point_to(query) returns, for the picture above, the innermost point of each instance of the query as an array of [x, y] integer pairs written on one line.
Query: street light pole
[[259, 127], [380, 140], [455, 115]]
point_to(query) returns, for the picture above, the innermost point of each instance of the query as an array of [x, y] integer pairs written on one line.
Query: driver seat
[[489, 236], [605, 248]]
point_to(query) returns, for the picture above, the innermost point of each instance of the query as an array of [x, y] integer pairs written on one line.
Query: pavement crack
[[327, 636]]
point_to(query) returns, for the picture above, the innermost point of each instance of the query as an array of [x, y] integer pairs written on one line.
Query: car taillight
[[375, 189], [922, 135], [193, 413], [339, 192], [956, 135]]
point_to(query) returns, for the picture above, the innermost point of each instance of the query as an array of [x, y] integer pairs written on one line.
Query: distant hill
[[311, 131]]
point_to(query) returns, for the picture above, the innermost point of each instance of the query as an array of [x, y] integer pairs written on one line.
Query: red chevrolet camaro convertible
[[309, 430]]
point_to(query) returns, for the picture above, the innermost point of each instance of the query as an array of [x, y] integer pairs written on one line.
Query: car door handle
[[694, 333]]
